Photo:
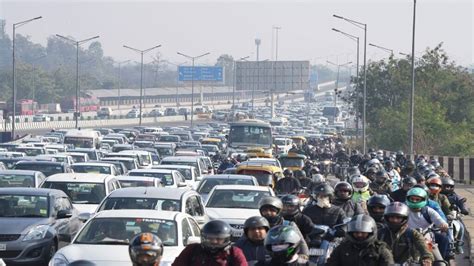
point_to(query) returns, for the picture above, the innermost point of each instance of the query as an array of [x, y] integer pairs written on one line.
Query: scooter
[[322, 242]]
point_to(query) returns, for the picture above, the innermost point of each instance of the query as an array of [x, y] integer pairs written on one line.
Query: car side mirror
[[201, 220], [193, 240], [182, 184], [62, 214], [84, 217]]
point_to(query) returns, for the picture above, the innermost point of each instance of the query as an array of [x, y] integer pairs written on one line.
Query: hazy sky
[[230, 27]]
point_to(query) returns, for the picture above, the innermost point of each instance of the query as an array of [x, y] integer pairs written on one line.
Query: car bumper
[[28, 252]]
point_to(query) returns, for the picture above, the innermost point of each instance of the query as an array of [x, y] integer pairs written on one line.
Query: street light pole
[[363, 26], [382, 48], [337, 85], [16, 25], [192, 82], [119, 101], [412, 98], [141, 52], [77, 43], [355, 38], [276, 28], [257, 43]]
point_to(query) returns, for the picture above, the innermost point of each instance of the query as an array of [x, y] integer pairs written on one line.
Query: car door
[[195, 208], [186, 231], [65, 228]]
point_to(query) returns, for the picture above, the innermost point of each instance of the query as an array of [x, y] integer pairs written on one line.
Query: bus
[[250, 134], [82, 138]]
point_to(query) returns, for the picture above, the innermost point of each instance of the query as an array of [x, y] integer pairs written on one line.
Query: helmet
[[215, 229], [145, 249], [288, 173], [389, 165], [400, 153], [432, 174], [360, 183], [373, 163], [323, 190], [355, 152], [418, 192], [354, 170], [410, 181], [282, 242], [396, 209], [362, 223], [343, 186], [448, 186], [319, 179], [299, 174], [314, 170], [254, 222], [434, 184], [381, 177], [291, 203], [272, 202], [373, 155], [381, 201]]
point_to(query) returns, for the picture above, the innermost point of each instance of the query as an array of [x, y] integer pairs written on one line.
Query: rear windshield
[[47, 170]]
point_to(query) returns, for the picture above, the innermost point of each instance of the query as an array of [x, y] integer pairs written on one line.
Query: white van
[[82, 138]]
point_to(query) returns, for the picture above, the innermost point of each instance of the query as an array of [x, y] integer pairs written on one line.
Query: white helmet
[[360, 183]]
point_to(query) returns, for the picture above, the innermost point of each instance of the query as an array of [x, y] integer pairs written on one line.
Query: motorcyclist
[[400, 194], [393, 175], [225, 164], [408, 169], [370, 173], [355, 158], [271, 208], [305, 182], [318, 179], [376, 206], [283, 243], [341, 156], [287, 185], [343, 194], [251, 243], [400, 159], [323, 212], [215, 248], [422, 216], [362, 191], [431, 203], [145, 249], [405, 243], [454, 199], [360, 246], [381, 184], [435, 185], [291, 212]]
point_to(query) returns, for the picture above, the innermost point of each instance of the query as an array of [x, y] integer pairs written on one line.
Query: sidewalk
[[467, 192]]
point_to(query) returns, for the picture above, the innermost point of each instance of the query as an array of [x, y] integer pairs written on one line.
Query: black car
[[34, 224], [46, 167]]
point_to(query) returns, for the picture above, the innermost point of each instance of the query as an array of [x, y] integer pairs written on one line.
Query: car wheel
[[52, 250]]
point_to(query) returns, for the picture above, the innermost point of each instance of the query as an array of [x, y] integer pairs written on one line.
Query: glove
[[464, 212], [302, 258]]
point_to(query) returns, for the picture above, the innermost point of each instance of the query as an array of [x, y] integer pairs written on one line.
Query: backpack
[[426, 215]]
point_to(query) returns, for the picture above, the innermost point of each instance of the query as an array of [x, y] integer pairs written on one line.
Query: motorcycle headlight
[[58, 260], [36, 233]]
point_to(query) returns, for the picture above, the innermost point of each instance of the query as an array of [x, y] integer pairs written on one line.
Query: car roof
[[32, 191], [129, 213], [151, 171], [92, 164], [19, 172], [222, 176], [176, 166], [181, 158], [118, 158], [136, 178], [40, 162], [79, 177], [241, 187], [151, 192]]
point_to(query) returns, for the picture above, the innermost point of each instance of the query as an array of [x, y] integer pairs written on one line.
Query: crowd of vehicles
[[70, 195]]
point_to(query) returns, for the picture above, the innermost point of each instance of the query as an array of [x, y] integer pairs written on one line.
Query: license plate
[[237, 233], [3, 247], [316, 252]]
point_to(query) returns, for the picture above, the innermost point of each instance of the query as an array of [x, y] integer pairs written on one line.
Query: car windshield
[[140, 204], [208, 184], [210, 148], [136, 183], [280, 142], [46, 169], [119, 231], [195, 164], [168, 138], [291, 162], [23, 206], [166, 178], [165, 151], [243, 199], [16, 180], [129, 164], [30, 151], [95, 169], [80, 193]]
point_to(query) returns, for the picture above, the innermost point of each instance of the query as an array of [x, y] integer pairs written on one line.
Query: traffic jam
[[261, 191]]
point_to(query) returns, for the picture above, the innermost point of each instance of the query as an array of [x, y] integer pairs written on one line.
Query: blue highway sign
[[201, 73]]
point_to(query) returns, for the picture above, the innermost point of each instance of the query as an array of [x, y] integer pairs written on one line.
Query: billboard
[[201, 73], [279, 76]]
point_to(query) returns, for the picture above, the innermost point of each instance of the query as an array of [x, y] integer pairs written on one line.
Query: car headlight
[[58, 260], [36, 233]]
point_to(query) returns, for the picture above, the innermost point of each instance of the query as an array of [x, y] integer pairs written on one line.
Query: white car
[[104, 239], [191, 175], [85, 190], [41, 118], [284, 144], [235, 204], [169, 178]]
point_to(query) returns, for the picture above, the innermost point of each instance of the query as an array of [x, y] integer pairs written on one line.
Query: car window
[[62, 204], [244, 199], [80, 193], [180, 177], [195, 226], [110, 186], [187, 232]]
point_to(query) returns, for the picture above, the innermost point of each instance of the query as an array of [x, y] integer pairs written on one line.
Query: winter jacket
[[374, 254], [195, 255], [287, 185], [253, 251], [349, 207]]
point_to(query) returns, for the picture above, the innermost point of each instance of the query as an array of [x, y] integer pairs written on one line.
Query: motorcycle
[[340, 169], [323, 241], [325, 167], [428, 234], [455, 232]]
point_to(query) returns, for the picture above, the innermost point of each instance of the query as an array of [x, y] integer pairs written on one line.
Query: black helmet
[[396, 209], [381, 176], [410, 164], [272, 202], [299, 174], [400, 153], [354, 170], [409, 181], [314, 170], [448, 186], [254, 222], [215, 229], [288, 173], [380, 201], [448, 181], [318, 179], [362, 223], [291, 203], [343, 186], [282, 242], [323, 190], [145, 249], [389, 165]]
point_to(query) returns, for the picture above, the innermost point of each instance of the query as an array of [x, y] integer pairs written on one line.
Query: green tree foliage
[[444, 104]]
